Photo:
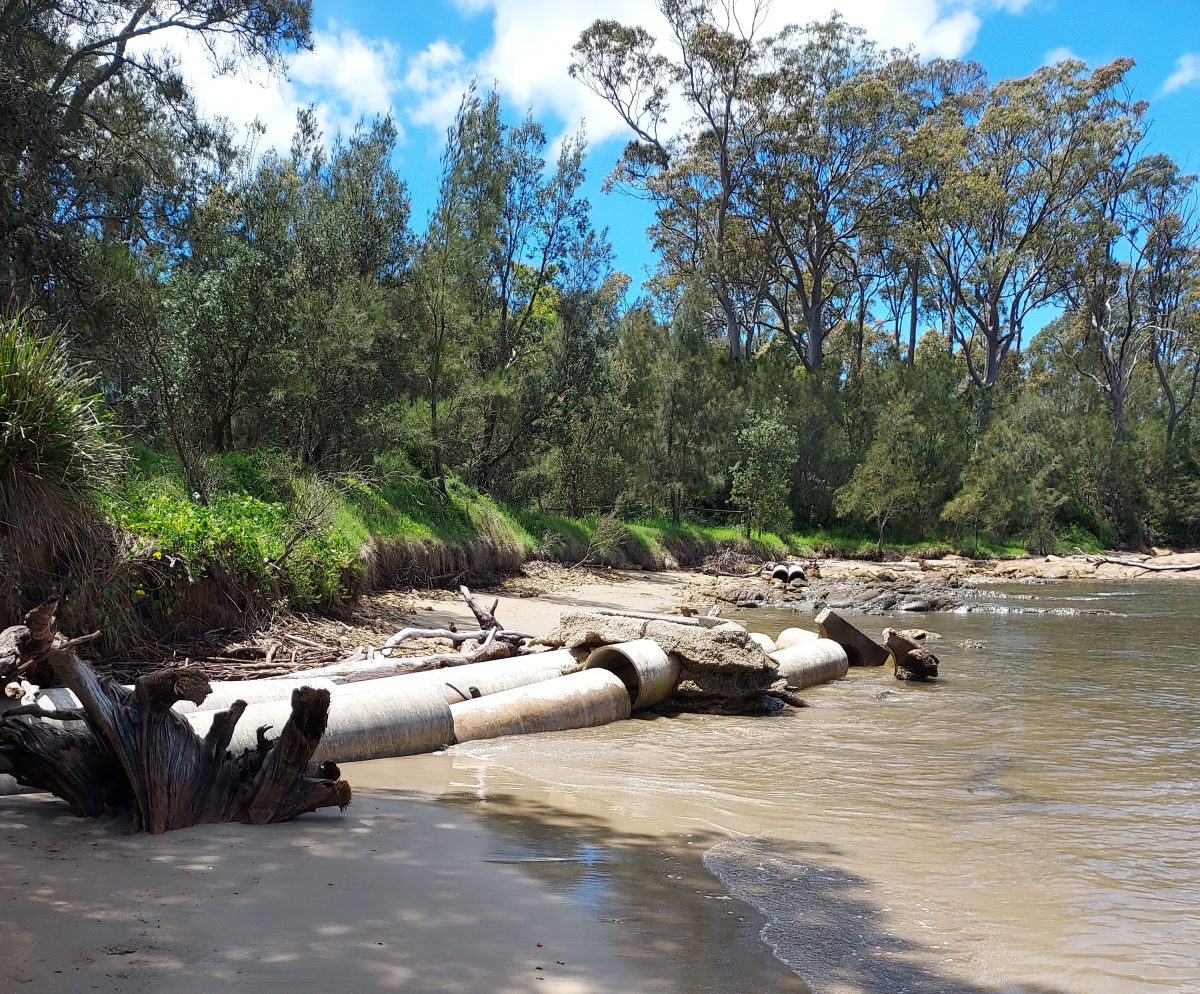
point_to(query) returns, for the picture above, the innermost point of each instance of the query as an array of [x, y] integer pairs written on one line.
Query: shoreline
[[405, 891], [531, 598], [449, 883]]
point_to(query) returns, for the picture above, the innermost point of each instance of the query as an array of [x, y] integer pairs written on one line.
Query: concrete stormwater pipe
[[400, 722], [578, 700], [767, 643], [793, 636], [647, 672], [456, 683], [811, 662], [225, 692]]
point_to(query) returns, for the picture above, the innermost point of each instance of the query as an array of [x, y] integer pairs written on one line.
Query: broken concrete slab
[[861, 650]]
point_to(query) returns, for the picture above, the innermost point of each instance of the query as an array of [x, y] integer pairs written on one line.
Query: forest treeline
[[892, 296]]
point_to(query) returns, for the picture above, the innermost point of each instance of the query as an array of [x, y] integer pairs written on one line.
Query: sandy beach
[[398, 893], [691, 855]]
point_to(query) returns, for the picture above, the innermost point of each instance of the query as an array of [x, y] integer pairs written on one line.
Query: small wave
[[1047, 612], [835, 927]]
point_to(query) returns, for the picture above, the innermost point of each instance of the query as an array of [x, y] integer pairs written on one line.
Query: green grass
[[837, 542], [258, 541], [651, 543]]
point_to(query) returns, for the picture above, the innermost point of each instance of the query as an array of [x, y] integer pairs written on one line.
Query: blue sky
[[413, 60]]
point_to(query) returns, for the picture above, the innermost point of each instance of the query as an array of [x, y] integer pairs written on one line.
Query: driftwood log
[[128, 750], [490, 631], [1136, 564], [353, 671], [25, 648], [913, 661]]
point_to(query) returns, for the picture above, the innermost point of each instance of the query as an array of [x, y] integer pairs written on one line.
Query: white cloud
[[437, 77], [347, 75], [1187, 73], [532, 40], [356, 72], [1060, 54], [344, 76]]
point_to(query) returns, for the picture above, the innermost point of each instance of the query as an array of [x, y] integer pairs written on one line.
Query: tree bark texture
[[134, 752]]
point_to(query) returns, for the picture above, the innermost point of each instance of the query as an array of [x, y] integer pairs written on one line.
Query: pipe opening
[[617, 663], [642, 666]]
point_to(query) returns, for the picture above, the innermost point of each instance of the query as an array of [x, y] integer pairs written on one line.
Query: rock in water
[[913, 661]]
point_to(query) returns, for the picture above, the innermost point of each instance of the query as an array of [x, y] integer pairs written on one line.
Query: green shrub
[[53, 427], [58, 451]]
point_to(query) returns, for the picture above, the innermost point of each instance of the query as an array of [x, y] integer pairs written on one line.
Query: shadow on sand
[[403, 893]]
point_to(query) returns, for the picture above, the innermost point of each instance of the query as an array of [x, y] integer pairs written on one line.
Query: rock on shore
[[926, 585]]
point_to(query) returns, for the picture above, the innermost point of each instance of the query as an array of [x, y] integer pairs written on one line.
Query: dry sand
[[539, 613]]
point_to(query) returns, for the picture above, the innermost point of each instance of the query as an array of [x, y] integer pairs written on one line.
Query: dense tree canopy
[[893, 295]]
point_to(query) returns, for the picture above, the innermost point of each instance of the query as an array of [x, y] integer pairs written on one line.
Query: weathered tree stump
[[913, 661], [136, 753], [25, 648]]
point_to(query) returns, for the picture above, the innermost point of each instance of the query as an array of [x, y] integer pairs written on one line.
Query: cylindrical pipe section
[[361, 726], [794, 636], [795, 572], [579, 700], [225, 692], [648, 673], [456, 683], [810, 663], [780, 572], [9, 786], [767, 643], [58, 699], [462, 683]]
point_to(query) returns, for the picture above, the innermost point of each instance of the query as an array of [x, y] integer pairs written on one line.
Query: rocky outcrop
[[948, 583], [912, 660]]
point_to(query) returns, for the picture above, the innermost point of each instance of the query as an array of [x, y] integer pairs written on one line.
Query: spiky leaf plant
[[57, 452]]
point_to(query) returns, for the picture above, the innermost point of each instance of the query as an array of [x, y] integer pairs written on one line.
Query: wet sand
[[385, 897], [396, 894]]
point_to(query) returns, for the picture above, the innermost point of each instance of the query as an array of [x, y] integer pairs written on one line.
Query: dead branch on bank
[[1156, 567], [489, 629]]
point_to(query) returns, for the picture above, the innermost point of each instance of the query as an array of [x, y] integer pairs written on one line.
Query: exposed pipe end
[[648, 674]]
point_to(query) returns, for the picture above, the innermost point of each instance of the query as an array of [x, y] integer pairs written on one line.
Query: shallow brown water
[[1026, 824]]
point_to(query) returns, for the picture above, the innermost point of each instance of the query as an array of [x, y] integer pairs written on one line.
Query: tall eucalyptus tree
[[1001, 218], [692, 169]]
